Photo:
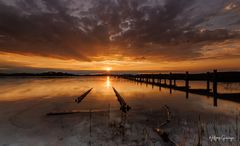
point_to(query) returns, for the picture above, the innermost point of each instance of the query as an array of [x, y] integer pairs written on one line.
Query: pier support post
[[153, 79], [187, 84], [215, 87], [170, 82], [208, 82], [160, 79], [165, 80], [146, 80], [170, 79]]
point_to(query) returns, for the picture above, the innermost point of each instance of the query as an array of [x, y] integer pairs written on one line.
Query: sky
[[73, 35]]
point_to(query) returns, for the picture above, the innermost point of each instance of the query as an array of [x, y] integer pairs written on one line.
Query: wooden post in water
[[208, 82], [215, 87], [90, 127], [187, 84], [174, 83], [109, 111], [165, 79], [153, 79], [170, 82], [90, 122], [160, 79]]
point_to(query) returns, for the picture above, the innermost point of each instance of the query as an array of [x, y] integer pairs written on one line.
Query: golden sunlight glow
[[22, 63], [108, 69], [108, 82]]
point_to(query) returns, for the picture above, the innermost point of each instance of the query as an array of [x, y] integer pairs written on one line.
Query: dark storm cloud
[[47, 34], [76, 29]]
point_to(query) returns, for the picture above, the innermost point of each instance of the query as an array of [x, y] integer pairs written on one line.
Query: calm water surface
[[24, 103], [137, 95]]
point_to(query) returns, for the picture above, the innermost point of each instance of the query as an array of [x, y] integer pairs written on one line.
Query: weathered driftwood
[[163, 134], [80, 98], [123, 105], [73, 112]]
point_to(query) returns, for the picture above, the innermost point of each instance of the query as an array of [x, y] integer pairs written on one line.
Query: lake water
[[24, 103]]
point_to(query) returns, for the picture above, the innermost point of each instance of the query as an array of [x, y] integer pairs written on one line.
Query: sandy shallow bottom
[[26, 123]]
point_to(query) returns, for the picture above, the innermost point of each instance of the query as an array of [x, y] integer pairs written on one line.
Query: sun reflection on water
[[108, 82]]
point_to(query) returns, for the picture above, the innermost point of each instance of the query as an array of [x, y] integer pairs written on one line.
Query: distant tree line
[[38, 74]]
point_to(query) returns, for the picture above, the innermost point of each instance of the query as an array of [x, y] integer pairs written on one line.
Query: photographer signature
[[222, 138]]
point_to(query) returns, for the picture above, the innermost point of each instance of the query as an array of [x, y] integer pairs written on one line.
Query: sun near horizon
[[108, 69]]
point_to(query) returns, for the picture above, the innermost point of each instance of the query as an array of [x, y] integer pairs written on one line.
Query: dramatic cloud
[[114, 30]]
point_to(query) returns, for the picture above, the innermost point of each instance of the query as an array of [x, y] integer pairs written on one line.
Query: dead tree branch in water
[[80, 98], [123, 105], [163, 134]]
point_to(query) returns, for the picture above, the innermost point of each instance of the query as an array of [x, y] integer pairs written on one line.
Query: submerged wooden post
[[170, 79], [123, 105], [187, 84], [160, 79], [109, 112], [165, 79], [208, 81], [170, 82], [90, 122], [215, 87], [153, 79], [80, 98]]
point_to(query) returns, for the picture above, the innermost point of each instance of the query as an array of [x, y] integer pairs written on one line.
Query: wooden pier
[[214, 77]]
